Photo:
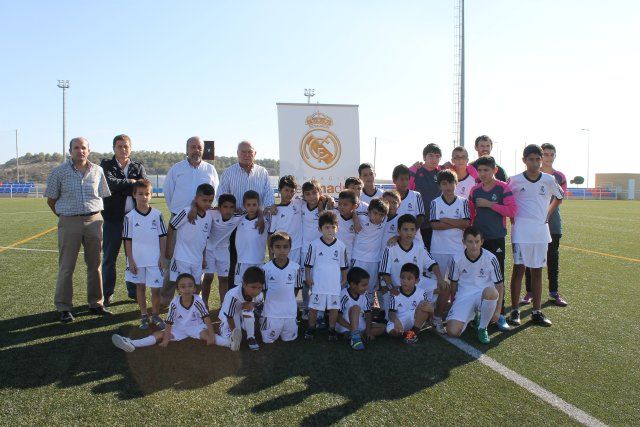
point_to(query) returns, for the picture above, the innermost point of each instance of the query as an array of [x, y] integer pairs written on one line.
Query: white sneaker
[[236, 338], [440, 328], [122, 343]]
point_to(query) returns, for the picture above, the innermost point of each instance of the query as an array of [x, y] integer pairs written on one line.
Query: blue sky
[[537, 71]]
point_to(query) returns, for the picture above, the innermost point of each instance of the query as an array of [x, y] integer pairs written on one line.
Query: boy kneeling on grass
[[188, 317]]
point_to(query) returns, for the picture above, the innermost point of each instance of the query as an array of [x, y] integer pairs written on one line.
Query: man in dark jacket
[[121, 172]]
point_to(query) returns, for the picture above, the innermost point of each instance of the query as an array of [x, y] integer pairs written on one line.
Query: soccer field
[[53, 373]]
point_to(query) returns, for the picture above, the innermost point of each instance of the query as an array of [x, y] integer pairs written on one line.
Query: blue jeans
[[111, 242]]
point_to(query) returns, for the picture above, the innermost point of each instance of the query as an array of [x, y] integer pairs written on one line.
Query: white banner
[[321, 142]]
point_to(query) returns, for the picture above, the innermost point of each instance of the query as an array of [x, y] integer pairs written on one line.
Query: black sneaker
[[309, 333], [333, 335], [66, 317], [108, 300], [100, 311], [514, 318], [540, 319]]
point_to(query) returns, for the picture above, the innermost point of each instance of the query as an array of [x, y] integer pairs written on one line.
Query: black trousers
[[233, 260], [426, 237], [553, 265]]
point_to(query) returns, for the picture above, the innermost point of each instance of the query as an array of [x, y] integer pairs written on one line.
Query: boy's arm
[[166, 336], [307, 276], [128, 246], [552, 207], [231, 323], [357, 225], [170, 243], [211, 338], [508, 208], [461, 223], [163, 249]]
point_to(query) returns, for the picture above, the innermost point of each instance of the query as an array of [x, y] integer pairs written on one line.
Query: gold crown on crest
[[319, 120]]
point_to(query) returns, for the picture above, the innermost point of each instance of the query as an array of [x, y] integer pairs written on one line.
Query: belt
[[87, 214]]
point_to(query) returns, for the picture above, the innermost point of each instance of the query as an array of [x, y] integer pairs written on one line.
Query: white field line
[[544, 394], [8, 248]]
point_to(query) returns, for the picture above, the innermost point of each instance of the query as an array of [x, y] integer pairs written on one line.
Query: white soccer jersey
[[394, 257], [368, 197], [391, 230], [367, 244], [280, 286], [411, 204], [327, 262], [448, 241], [310, 229], [250, 244], [475, 275], [346, 232], [221, 230], [192, 238], [405, 304], [144, 231], [233, 300], [348, 300], [182, 317], [532, 198], [464, 186], [289, 220]]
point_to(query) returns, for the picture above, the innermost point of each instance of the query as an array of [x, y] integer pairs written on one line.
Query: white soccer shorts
[[149, 276], [240, 269], [295, 254], [322, 302], [181, 333], [273, 328], [362, 325], [465, 306], [217, 262], [407, 320], [179, 267], [532, 255], [444, 262], [372, 269]]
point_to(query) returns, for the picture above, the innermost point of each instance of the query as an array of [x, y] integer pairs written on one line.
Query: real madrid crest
[[319, 147]]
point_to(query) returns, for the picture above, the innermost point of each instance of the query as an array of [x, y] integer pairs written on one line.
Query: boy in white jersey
[[355, 317], [410, 200], [410, 309], [224, 220], [530, 236], [188, 317], [449, 216], [187, 253], [392, 198], [326, 267], [238, 311], [144, 235], [355, 184], [348, 221], [368, 241], [251, 239], [287, 216], [407, 250], [369, 190], [475, 276], [282, 278], [467, 176]]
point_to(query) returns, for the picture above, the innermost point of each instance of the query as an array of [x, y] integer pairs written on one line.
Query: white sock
[[144, 342], [249, 325], [222, 341], [487, 308]]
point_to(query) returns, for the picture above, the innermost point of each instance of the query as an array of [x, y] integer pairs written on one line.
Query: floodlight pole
[[462, 73], [17, 166], [64, 85], [309, 93], [588, 131]]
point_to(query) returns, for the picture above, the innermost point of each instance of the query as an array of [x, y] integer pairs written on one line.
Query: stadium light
[[309, 93], [64, 85], [588, 131]]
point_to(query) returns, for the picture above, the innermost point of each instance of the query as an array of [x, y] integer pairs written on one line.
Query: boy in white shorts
[[282, 278], [145, 237], [251, 238], [287, 216], [224, 220], [326, 272], [410, 200], [188, 317], [410, 309], [238, 311], [475, 278], [355, 317], [187, 256], [530, 236]]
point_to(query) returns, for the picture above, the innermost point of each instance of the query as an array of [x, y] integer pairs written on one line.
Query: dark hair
[[250, 195], [407, 218], [486, 161], [287, 181], [363, 167], [327, 217], [431, 148], [548, 146], [348, 195], [277, 236], [227, 198], [392, 193], [447, 175], [205, 190], [141, 183], [356, 275], [352, 180], [253, 274], [311, 185], [400, 170], [532, 149], [121, 137], [471, 231], [411, 268], [185, 276], [378, 205], [483, 138]]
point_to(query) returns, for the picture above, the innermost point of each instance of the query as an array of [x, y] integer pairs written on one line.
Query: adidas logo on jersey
[[498, 251], [441, 212], [320, 254], [281, 215], [137, 225], [396, 260], [464, 270], [522, 190], [272, 278]]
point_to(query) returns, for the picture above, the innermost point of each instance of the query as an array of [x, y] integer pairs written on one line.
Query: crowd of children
[[366, 263]]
